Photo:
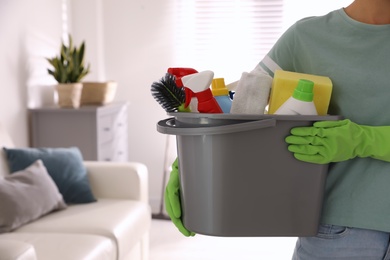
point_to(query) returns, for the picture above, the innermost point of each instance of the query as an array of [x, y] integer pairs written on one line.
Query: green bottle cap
[[304, 90]]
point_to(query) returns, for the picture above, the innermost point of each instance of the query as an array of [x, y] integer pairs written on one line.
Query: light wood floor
[[167, 243]]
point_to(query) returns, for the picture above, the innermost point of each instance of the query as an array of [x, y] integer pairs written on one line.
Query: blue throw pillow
[[64, 165]]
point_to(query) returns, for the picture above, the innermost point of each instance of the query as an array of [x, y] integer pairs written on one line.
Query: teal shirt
[[356, 56]]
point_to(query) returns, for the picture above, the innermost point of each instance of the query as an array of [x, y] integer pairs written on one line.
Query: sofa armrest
[[118, 180]]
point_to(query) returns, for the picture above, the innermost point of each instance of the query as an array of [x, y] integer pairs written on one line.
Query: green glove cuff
[[335, 141]]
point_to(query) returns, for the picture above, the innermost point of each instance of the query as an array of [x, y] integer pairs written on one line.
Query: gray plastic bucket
[[238, 178]]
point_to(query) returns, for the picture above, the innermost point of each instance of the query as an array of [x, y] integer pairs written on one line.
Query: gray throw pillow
[[27, 195]]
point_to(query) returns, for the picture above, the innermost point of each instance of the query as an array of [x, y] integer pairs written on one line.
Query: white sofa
[[115, 227]]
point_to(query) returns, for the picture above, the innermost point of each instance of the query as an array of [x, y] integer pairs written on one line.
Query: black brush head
[[168, 94]]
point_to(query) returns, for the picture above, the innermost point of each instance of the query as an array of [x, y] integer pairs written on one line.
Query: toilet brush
[[171, 97]]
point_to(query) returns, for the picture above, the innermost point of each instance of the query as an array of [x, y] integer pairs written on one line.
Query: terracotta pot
[[69, 94], [98, 93]]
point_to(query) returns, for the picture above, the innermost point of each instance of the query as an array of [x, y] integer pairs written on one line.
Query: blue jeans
[[336, 242]]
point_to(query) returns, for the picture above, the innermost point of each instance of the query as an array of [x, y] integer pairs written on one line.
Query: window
[[232, 36], [227, 37]]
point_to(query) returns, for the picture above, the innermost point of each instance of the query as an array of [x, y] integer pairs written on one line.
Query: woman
[[352, 47]]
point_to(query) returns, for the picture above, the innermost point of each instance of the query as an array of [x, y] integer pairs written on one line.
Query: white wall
[[26, 37], [138, 51], [130, 41]]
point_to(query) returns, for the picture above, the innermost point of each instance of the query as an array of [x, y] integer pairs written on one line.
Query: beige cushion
[[123, 221], [16, 250], [27, 195], [65, 246]]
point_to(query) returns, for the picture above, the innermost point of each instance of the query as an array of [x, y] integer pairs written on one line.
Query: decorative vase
[[98, 93], [69, 94]]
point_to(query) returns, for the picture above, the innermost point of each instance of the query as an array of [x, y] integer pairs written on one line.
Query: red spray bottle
[[198, 85]]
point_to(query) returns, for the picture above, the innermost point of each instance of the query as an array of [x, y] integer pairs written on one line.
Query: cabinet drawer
[[110, 152], [120, 121], [112, 125], [105, 129]]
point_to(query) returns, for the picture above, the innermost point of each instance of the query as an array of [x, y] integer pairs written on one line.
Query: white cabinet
[[99, 131]]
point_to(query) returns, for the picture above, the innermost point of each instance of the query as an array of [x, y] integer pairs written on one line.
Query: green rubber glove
[[336, 141], [172, 200]]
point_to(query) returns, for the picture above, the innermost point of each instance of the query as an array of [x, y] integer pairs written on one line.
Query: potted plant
[[68, 70]]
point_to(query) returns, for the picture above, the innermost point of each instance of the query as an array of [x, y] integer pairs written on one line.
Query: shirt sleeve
[[281, 55]]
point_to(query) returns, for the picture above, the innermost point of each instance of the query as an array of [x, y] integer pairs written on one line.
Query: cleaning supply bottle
[[197, 86], [221, 94], [301, 101]]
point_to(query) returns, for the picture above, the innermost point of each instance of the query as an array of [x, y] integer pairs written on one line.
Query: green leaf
[[68, 66], [81, 53]]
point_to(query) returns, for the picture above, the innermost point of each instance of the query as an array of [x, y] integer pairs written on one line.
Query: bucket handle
[[168, 126]]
